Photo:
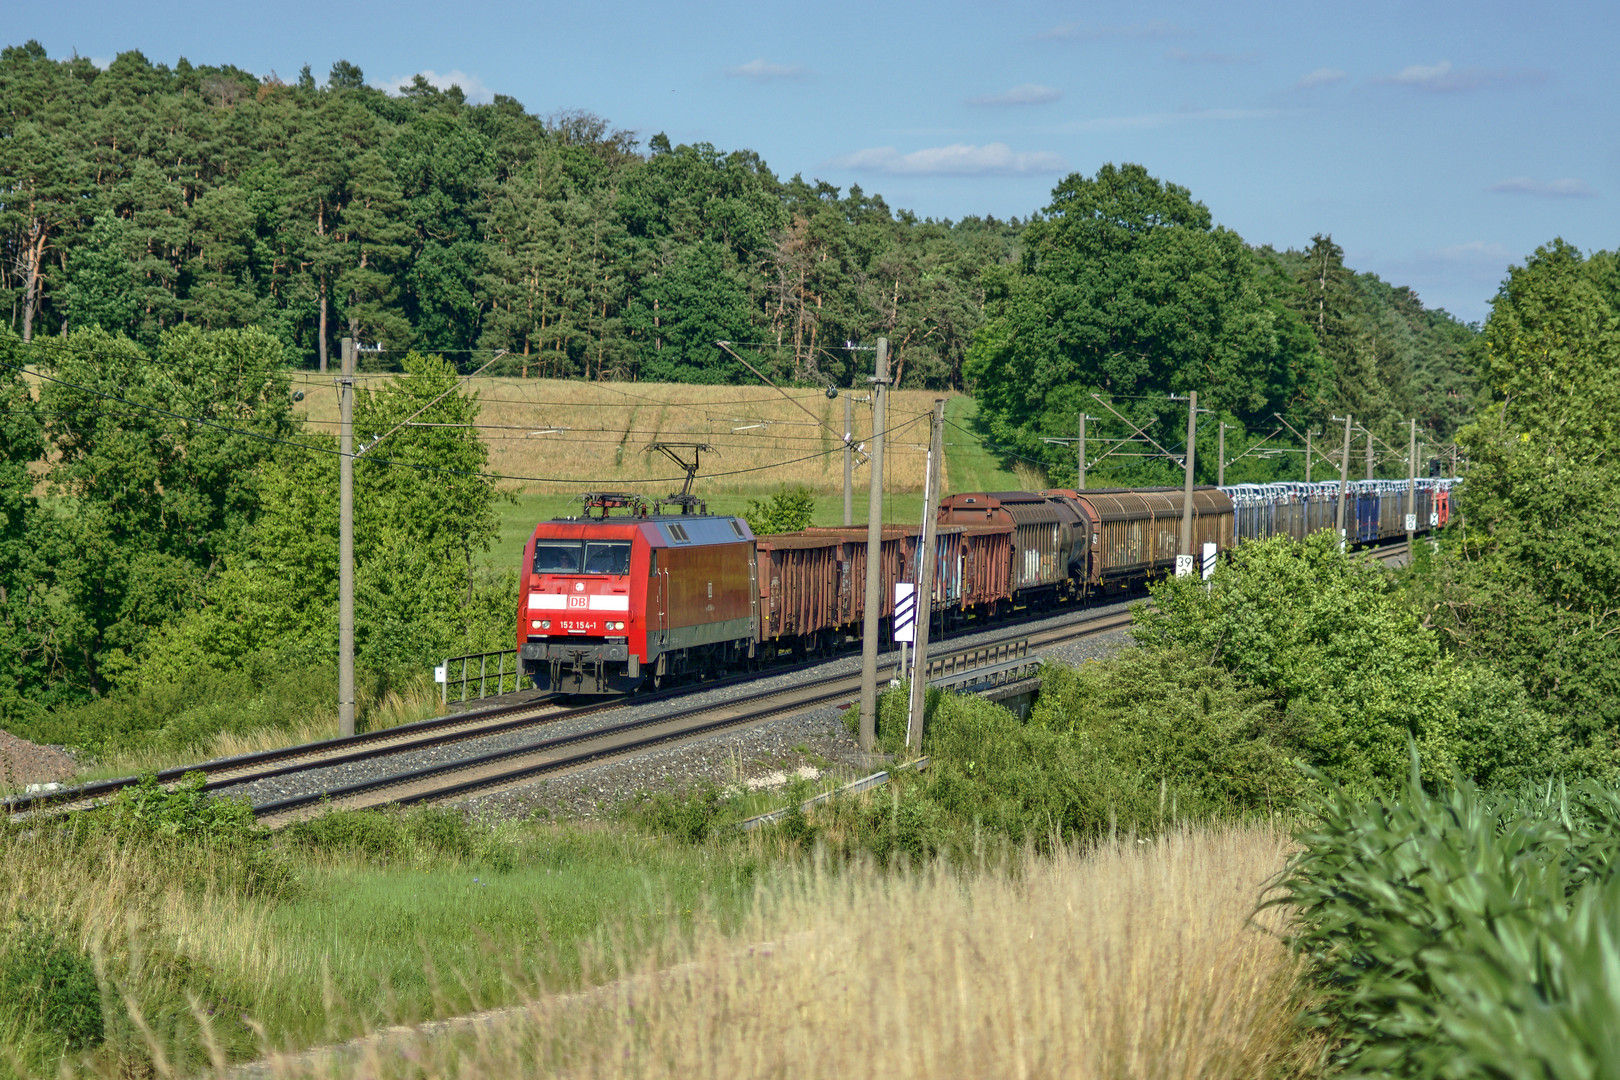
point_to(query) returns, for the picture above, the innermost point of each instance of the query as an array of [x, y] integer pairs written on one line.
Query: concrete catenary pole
[[1369, 456], [346, 542], [1220, 456], [1411, 483], [1308, 435], [1344, 478], [849, 460], [1187, 486], [925, 580], [874, 553], [1080, 456]]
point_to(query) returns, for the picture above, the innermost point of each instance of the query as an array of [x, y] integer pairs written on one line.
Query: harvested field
[[571, 433]]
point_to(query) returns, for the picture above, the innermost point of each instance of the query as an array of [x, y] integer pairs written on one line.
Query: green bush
[[147, 810], [1354, 671], [690, 815], [789, 510], [1463, 933], [1133, 743], [420, 834], [202, 841], [50, 1001], [1173, 727]]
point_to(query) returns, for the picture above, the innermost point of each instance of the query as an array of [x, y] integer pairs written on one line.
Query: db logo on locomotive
[[576, 601]]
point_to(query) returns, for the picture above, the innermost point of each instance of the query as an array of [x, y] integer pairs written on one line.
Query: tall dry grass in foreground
[[1130, 961]]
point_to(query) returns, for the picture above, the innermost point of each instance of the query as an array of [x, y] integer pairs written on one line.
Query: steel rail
[[507, 768], [403, 738], [456, 727]]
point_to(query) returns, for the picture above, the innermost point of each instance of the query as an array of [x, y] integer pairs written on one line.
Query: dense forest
[[141, 197], [177, 240]]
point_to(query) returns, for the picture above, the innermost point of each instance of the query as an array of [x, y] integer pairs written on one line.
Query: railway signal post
[[1184, 560], [1344, 477], [1411, 484], [849, 460], [925, 579], [1080, 484], [346, 542], [874, 553]]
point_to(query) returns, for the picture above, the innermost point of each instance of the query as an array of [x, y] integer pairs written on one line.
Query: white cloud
[[1443, 78], [1153, 28], [1164, 119], [1182, 56], [1474, 252], [1567, 188], [1026, 94], [958, 159], [762, 70], [471, 85], [1321, 77]]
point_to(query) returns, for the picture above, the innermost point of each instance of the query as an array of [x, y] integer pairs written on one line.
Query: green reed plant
[[1445, 929]]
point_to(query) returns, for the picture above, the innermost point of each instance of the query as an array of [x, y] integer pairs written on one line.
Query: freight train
[[611, 602]]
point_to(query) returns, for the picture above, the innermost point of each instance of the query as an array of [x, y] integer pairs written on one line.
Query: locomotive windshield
[[593, 557], [601, 558]]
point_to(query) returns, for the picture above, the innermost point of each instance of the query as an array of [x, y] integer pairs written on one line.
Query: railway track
[[508, 767], [502, 769]]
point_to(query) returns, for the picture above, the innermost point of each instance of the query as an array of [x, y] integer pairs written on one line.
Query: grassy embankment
[[1076, 963], [1126, 960]]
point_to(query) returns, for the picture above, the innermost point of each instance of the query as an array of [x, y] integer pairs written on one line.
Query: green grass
[[969, 466], [414, 942], [387, 918]]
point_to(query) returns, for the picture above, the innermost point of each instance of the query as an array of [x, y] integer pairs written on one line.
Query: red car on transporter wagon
[[612, 602]]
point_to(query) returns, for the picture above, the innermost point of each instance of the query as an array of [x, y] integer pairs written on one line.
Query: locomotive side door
[[657, 599]]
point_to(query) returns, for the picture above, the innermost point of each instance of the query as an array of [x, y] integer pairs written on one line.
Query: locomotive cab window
[[558, 557], [607, 558]]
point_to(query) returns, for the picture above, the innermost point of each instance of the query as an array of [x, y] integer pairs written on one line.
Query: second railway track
[[514, 766]]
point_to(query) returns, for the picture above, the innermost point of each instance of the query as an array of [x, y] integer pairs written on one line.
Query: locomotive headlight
[[545, 624], [535, 624]]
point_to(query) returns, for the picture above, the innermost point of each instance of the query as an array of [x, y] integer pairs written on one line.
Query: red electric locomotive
[[613, 601]]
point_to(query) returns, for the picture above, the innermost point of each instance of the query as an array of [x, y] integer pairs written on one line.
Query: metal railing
[[468, 674], [959, 666], [866, 783]]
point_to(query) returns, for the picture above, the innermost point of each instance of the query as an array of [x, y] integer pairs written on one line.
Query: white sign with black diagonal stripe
[[905, 611]]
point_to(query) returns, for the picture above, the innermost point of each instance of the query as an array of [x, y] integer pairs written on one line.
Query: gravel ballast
[[815, 737], [23, 763]]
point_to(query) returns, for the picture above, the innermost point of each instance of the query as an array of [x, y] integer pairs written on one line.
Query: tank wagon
[[612, 602]]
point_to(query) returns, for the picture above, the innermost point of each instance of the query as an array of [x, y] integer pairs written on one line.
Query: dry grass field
[[562, 437], [1134, 960]]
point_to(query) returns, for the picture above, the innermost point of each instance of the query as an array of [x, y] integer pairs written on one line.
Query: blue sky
[[1437, 142]]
